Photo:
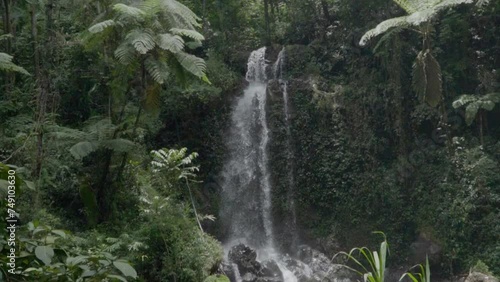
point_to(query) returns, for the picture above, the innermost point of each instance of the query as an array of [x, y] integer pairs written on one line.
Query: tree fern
[[157, 70], [170, 42], [193, 34], [191, 64], [419, 12], [6, 64], [129, 11], [473, 104], [99, 27], [142, 40]]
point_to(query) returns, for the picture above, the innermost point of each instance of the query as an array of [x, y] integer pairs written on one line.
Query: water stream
[[246, 205]]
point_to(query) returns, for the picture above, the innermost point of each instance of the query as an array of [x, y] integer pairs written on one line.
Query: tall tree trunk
[[324, 6], [481, 134], [267, 23], [8, 30]]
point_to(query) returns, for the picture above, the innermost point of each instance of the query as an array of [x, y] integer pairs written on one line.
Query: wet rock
[[271, 269], [480, 277], [245, 258], [249, 277], [424, 246]]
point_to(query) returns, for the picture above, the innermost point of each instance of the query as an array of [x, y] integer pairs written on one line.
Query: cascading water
[[246, 201], [278, 70], [245, 213]]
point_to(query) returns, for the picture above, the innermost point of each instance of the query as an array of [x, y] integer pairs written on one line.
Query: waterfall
[[245, 208], [278, 70], [246, 199]]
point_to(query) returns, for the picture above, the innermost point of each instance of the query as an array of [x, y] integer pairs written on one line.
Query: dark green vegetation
[[382, 136]]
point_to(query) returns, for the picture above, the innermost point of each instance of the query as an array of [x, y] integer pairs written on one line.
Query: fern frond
[[82, 149], [172, 43], [182, 15], [193, 34], [192, 64], [6, 64], [118, 145], [382, 27], [158, 71], [463, 100], [407, 5], [141, 39], [129, 11], [125, 53], [99, 27]]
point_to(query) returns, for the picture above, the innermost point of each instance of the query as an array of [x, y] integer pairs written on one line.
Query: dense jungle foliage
[[395, 126]]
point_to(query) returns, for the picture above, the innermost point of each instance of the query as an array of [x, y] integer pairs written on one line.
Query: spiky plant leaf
[[142, 40], [170, 42], [129, 11], [193, 34], [99, 27], [191, 64]]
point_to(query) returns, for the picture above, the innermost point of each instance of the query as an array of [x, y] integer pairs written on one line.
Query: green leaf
[[383, 27], [7, 65], [433, 91], [129, 11], [141, 39], [193, 34], [191, 64], [61, 233], [117, 277], [170, 42], [82, 149], [90, 204], [471, 112], [45, 254], [99, 27], [125, 268]]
